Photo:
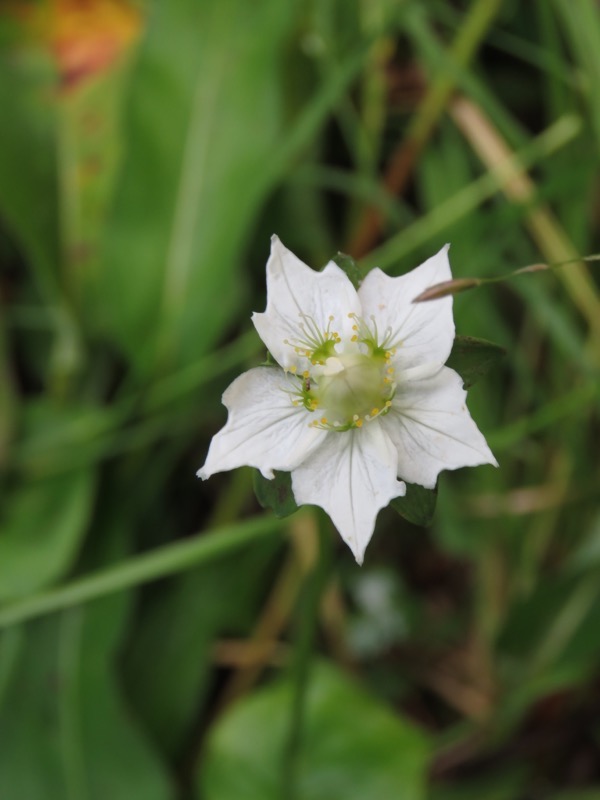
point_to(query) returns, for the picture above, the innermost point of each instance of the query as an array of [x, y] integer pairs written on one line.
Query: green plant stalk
[[159, 563], [571, 403], [567, 622], [315, 113], [111, 438], [473, 30], [307, 625], [468, 199], [471, 33]]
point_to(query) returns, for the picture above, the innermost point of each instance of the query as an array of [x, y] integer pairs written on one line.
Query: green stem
[[167, 560], [307, 626], [471, 33]]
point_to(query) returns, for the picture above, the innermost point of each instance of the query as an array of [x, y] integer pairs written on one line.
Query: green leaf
[[473, 358], [351, 746], [8, 400], [40, 532], [89, 131], [275, 494], [350, 267], [202, 127], [28, 146], [417, 505], [63, 708], [63, 712], [176, 632]]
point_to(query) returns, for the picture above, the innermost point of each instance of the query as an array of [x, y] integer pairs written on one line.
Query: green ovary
[[352, 387]]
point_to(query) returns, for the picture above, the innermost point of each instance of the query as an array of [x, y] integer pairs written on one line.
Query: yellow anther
[[388, 403], [374, 412], [354, 338], [323, 420], [355, 327], [294, 368], [331, 317], [359, 423], [390, 370], [306, 374]]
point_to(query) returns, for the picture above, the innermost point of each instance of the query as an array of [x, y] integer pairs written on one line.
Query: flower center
[[348, 387]]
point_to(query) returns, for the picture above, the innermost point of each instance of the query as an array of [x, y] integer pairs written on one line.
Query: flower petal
[[421, 332], [263, 430], [432, 429], [297, 294], [351, 476]]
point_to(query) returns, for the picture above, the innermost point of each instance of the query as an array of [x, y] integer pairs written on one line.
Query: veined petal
[[351, 476], [432, 429], [263, 430], [300, 301], [420, 332]]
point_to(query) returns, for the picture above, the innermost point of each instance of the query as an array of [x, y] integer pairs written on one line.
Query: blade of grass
[[469, 38], [468, 199], [544, 229], [140, 569]]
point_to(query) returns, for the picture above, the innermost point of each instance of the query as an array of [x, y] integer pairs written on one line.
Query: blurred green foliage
[[147, 152]]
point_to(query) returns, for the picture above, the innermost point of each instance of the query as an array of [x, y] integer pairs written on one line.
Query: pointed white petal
[[421, 332], [351, 476], [432, 429], [263, 430], [297, 295]]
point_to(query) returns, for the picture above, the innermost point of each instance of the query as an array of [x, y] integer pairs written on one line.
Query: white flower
[[362, 401]]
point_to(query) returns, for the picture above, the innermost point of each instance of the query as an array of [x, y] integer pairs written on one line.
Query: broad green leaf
[[275, 494], [11, 642], [63, 708], [8, 400], [204, 117], [63, 712], [176, 632], [417, 505], [28, 147], [473, 358], [41, 528], [351, 747], [89, 112]]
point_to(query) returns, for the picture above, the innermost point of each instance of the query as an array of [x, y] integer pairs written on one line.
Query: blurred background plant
[[163, 638]]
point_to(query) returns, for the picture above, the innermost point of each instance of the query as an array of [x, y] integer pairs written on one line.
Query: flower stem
[[167, 560], [308, 612]]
